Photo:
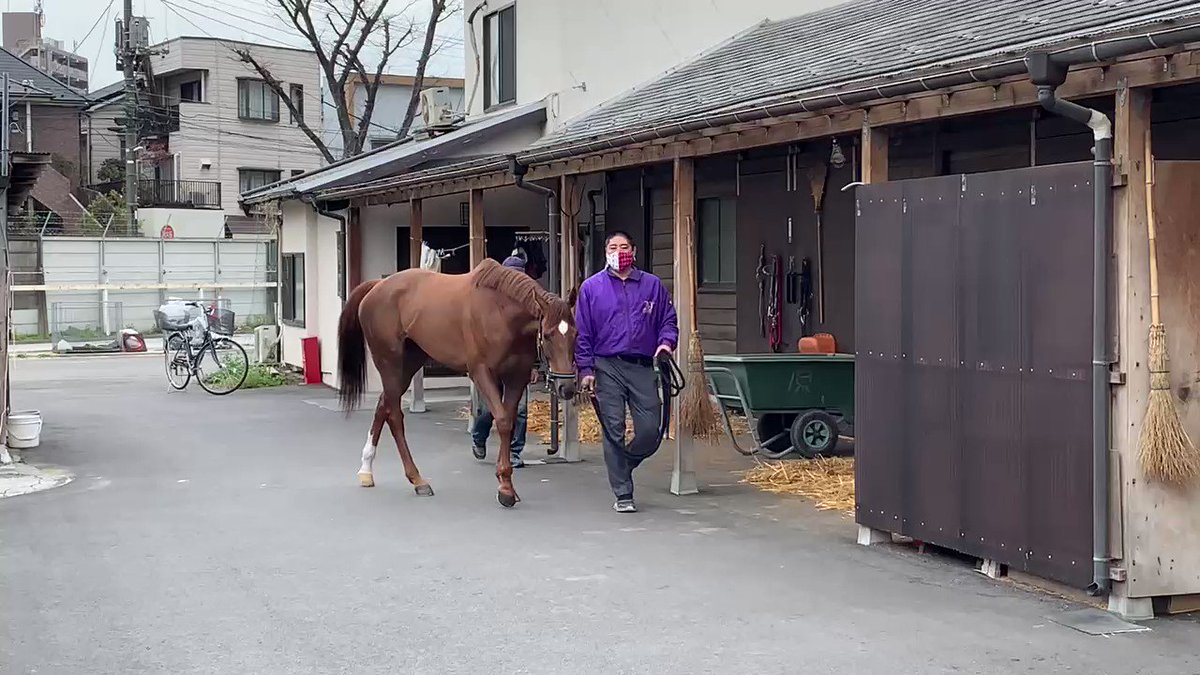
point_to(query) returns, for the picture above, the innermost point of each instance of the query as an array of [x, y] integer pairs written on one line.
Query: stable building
[[906, 176]]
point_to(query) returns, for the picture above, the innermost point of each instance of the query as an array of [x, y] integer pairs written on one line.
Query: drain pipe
[[1047, 75], [554, 224], [588, 264]]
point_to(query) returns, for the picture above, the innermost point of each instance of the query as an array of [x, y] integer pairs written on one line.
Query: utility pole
[[128, 59]]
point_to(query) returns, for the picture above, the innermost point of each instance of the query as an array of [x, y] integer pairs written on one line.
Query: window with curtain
[[257, 101], [252, 179], [499, 58]]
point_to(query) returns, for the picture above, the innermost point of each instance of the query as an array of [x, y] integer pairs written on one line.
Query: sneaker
[[517, 462], [625, 506], [479, 452]]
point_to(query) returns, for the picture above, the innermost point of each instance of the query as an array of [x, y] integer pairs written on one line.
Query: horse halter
[[550, 373]]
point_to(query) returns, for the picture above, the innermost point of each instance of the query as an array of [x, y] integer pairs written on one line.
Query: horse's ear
[[572, 296]]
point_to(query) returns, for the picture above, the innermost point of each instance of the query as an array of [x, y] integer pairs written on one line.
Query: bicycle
[[218, 363]]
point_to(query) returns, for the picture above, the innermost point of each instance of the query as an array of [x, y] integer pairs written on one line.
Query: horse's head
[[558, 343]]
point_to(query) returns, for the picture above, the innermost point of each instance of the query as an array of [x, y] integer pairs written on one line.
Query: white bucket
[[24, 429]]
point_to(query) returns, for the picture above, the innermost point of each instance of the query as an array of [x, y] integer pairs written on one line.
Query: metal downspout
[[554, 224], [1047, 75]]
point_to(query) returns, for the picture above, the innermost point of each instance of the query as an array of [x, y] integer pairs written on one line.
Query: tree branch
[[285, 96]]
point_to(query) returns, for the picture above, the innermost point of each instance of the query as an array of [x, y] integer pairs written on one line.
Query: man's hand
[[533, 378], [588, 383], [663, 349]]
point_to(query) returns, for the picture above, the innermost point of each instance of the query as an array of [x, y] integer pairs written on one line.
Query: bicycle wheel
[[175, 361], [222, 366]]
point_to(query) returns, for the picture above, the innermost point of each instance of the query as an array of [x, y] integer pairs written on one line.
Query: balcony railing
[[170, 194]]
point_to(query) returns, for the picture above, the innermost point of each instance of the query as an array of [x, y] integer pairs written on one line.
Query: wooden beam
[[683, 476], [416, 232], [478, 239], [1154, 69], [1131, 290], [874, 154]]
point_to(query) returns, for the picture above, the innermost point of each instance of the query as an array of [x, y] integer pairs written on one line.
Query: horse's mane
[[522, 289]]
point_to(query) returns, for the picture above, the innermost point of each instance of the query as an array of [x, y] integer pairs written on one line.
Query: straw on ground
[[827, 481]]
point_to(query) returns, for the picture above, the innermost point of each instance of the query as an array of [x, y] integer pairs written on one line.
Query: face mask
[[619, 261]]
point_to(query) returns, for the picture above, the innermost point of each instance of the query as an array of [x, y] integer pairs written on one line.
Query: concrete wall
[[585, 53], [212, 130], [83, 262]]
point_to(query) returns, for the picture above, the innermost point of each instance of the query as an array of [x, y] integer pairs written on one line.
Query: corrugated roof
[[401, 156], [855, 41], [43, 84]]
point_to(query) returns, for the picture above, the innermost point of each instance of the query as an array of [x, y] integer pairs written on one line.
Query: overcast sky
[[71, 20]]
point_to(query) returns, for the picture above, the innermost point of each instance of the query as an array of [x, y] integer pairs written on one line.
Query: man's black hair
[[618, 233]]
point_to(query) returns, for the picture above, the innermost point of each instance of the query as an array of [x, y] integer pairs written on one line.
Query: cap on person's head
[[514, 262]]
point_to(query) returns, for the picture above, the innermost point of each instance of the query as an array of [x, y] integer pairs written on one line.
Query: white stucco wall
[[294, 235], [585, 53]]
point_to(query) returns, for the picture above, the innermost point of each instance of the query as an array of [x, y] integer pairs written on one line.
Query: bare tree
[[345, 34]]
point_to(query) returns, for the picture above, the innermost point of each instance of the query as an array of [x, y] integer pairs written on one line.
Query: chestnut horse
[[490, 322]]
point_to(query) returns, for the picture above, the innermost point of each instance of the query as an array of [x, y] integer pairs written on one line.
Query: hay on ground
[[827, 481]]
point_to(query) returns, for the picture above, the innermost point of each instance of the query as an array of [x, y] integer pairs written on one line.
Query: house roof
[[107, 92], [41, 85], [858, 41], [402, 155]]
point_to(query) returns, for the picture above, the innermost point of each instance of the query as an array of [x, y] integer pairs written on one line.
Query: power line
[[91, 30]]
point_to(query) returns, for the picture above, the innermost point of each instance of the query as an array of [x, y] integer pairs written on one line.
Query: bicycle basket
[[220, 321], [172, 322]]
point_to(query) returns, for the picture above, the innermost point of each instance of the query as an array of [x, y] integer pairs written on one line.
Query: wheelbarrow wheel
[[815, 433], [774, 436]]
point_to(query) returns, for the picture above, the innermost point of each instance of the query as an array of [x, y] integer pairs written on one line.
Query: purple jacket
[[622, 318]]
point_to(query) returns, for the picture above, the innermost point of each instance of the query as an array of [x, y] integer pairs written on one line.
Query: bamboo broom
[[697, 416], [1166, 452]]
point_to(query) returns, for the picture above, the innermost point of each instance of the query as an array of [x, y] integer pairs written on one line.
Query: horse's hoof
[[507, 501], [366, 480], [423, 490]]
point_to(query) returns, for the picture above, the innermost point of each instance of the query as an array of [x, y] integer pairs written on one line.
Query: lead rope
[[671, 383]]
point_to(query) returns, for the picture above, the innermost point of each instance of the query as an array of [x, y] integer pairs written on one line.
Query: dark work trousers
[[621, 383]]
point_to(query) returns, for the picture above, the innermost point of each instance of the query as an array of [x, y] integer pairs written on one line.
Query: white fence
[[92, 275]]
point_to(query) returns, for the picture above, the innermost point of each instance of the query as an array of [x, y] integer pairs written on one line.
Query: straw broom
[[1167, 453], [697, 416]]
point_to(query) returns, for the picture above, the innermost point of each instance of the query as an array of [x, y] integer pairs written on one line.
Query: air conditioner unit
[[266, 339], [437, 110]]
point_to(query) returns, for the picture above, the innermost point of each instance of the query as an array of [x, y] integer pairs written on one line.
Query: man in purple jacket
[[625, 319]]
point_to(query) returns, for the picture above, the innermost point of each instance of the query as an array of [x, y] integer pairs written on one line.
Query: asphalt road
[[229, 535]]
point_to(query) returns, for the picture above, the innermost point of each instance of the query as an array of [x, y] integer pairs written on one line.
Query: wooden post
[[416, 236], [1131, 250], [569, 238], [478, 250], [354, 249], [874, 154], [478, 239], [683, 476]]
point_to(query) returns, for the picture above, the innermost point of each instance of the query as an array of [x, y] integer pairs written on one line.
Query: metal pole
[[128, 61]]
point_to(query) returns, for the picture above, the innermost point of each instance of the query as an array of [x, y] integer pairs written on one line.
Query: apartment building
[[211, 128], [23, 37]]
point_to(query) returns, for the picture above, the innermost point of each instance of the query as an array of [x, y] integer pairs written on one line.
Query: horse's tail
[[352, 349]]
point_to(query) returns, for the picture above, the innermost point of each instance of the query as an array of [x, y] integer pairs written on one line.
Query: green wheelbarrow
[[794, 403]]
